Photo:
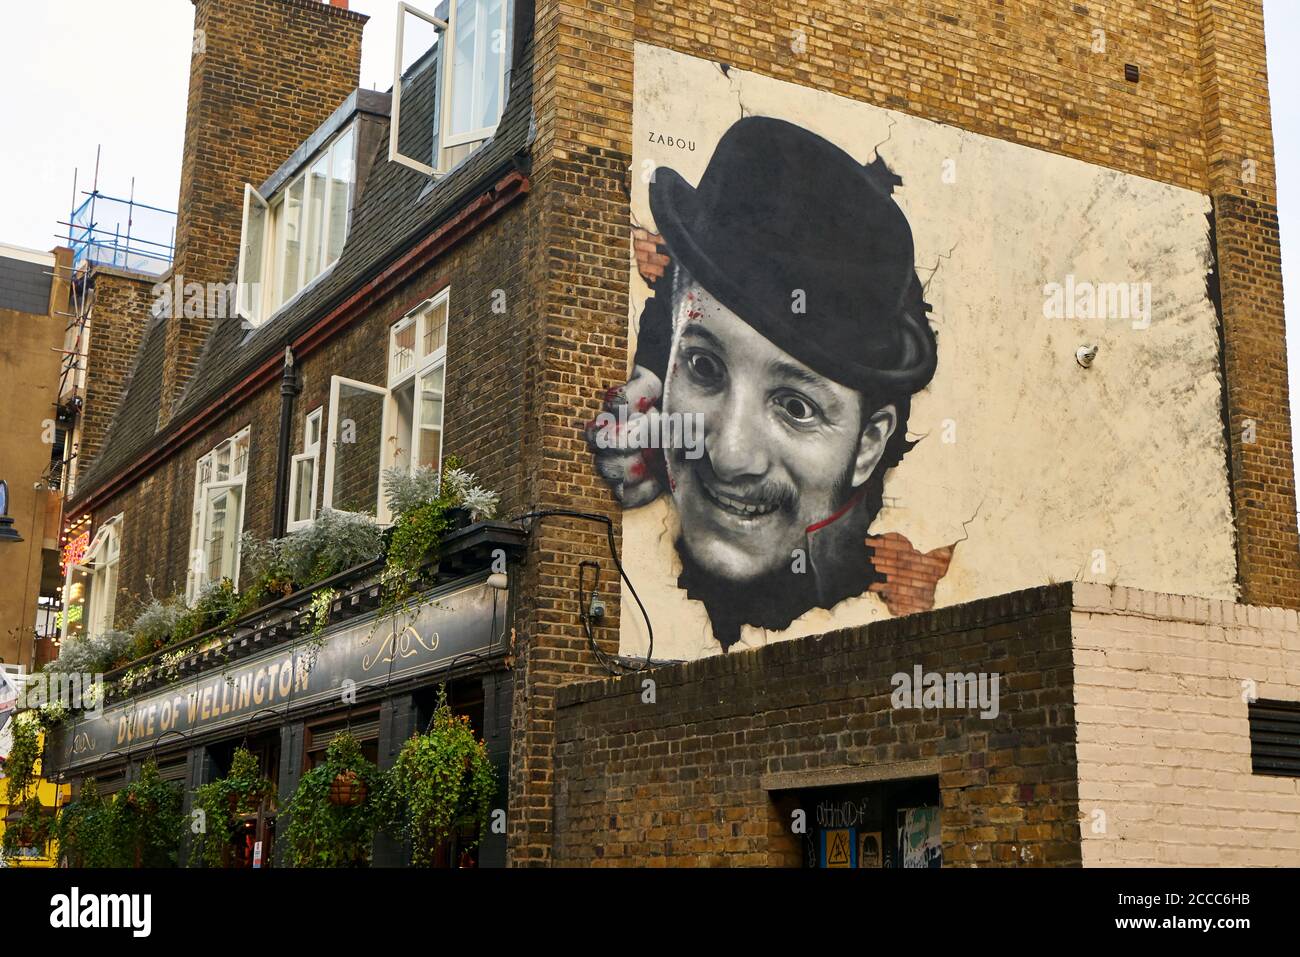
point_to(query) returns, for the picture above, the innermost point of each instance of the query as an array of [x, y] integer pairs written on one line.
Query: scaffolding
[[102, 230], [109, 231]]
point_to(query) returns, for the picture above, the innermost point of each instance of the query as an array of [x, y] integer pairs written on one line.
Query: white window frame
[[332, 437], [265, 300], [446, 140], [101, 562], [447, 58], [251, 312], [310, 453], [394, 154], [197, 578], [421, 365]]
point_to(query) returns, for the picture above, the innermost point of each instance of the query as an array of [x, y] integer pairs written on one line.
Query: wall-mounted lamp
[[7, 531]]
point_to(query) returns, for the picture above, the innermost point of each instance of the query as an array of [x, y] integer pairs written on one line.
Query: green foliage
[[406, 491], [20, 765], [324, 834], [140, 826], [34, 827], [147, 821], [223, 802], [442, 779], [217, 604], [320, 614], [85, 830]]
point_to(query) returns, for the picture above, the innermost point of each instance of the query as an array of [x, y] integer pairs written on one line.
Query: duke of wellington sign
[[294, 677]]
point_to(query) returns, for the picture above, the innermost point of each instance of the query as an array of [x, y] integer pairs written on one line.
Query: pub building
[[283, 693]]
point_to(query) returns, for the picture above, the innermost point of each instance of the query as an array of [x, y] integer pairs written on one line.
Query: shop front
[[283, 695]]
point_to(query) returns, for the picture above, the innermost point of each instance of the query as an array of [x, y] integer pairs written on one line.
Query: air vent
[[1275, 737], [1131, 72]]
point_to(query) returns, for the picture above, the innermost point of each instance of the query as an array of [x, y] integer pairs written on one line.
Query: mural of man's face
[[784, 447]]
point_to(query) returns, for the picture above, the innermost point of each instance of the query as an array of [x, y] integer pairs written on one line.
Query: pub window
[[303, 472], [399, 425], [90, 587], [1274, 737], [217, 517], [363, 727]]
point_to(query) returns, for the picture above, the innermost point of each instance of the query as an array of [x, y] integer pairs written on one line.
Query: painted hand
[[635, 475]]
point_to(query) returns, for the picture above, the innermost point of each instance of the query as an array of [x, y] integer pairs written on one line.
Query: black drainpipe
[[289, 389]]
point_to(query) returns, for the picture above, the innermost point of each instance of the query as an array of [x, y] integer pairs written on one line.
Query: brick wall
[[1031, 72], [482, 418], [265, 74], [119, 312], [1163, 738], [681, 781]]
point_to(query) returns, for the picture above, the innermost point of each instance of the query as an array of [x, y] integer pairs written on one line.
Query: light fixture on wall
[[7, 531]]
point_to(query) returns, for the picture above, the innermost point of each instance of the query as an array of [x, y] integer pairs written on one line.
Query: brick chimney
[[264, 74]]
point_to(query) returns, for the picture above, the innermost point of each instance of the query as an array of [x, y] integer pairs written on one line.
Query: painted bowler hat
[[784, 219]]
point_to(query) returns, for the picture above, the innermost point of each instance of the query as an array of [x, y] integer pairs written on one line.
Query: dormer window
[[470, 60], [295, 235]]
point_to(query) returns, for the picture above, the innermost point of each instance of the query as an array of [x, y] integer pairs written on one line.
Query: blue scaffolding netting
[[123, 233]]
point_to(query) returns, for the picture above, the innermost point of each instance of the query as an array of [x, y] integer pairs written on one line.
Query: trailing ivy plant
[[20, 765], [223, 802], [334, 814], [147, 820], [33, 828], [421, 503], [442, 780], [85, 830]]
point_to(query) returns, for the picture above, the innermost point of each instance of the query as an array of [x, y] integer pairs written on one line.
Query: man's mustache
[[763, 493]]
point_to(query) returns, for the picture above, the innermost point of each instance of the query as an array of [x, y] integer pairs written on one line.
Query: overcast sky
[[82, 73]]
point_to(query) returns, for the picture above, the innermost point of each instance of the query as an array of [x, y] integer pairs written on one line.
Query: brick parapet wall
[[1163, 735], [680, 781]]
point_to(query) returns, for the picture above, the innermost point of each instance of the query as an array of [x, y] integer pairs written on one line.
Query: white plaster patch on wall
[[1041, 470]]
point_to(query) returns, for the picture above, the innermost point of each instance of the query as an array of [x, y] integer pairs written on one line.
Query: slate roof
[[397, 207]]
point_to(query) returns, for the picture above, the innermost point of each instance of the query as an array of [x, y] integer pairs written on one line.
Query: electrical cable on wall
[[612, 665]]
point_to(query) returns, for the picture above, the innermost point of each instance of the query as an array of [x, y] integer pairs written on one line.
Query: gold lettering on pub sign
[[220, 696]]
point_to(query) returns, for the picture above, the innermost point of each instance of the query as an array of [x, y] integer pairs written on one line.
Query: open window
[[399, 425], [471, 61], [252, 255], [217, 519], [354, 446], [90, 588], [417, 376], [303, 474], [294, 236]]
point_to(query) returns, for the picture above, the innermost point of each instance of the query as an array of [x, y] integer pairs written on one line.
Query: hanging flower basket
[[348, 790]]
